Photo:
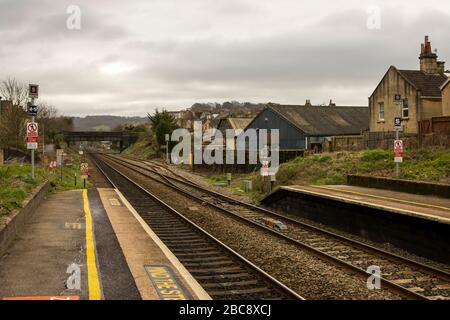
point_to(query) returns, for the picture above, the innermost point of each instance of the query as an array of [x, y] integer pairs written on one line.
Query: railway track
[[412, 278], [221, 271]]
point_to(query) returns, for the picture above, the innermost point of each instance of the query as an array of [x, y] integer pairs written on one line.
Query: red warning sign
[[84, 171], [32, 131], [398, 148]]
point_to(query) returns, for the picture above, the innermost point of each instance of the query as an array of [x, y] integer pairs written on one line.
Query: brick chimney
[[428, 59]]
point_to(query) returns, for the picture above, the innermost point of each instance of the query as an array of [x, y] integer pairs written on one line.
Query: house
[[303, 127], [445, 90], [424, 94], [237, 124]]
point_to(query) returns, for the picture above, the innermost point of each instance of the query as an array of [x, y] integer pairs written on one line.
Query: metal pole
[[32, 150], [62, 164], [43, 143], [167, 151], [397, 164]]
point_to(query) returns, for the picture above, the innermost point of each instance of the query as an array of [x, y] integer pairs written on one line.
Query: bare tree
[[12, 126], [14, 91]]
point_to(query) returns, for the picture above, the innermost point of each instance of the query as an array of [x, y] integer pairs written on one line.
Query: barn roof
[[325, 120], [429, 84]]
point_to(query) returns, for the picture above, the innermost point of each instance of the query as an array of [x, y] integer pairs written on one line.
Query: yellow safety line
[[92, 272], [385, 198]]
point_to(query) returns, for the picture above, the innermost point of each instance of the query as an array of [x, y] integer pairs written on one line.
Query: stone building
[[424, 94]]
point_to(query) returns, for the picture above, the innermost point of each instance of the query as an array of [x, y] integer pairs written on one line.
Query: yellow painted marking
[[386, 198], [93, 279], [166, 283]]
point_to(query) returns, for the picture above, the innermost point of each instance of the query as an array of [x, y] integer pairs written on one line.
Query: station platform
[[421, 206], [81, 245], [414, 223]]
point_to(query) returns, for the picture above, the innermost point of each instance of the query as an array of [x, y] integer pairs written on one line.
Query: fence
[[385, 140], [435, 132]]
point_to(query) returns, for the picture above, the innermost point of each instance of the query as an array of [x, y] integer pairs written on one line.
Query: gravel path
[[302, 271]]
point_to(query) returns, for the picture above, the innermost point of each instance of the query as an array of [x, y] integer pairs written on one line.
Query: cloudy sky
[[131, 56]]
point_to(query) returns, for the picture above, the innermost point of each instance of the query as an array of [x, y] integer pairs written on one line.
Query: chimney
[[332, 104], [308, 103], [428, 59], [441, 66]]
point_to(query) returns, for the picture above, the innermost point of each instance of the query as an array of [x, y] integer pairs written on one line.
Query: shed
[[302, 126]]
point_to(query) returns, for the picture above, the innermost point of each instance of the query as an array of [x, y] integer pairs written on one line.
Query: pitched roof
[[429, 84], [445, 84], [325, 121], [239, 123]]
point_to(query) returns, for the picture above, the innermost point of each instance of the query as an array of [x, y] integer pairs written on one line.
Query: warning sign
[[398, 151], [32, 130], [84, 171], [398, 148]]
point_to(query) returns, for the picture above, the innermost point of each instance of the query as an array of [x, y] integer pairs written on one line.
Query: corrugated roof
[[429, 84], [325, 120]]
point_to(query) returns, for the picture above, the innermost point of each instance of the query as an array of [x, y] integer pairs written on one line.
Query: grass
[[142, 149], [16, 183], [431, 165]]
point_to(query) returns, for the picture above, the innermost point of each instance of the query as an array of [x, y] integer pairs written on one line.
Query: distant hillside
[[104, 123], [231, 107]]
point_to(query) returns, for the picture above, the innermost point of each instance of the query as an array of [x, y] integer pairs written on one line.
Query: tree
[[51, 124], [162, 123], [12, 126], [14, 91], [13, 116]]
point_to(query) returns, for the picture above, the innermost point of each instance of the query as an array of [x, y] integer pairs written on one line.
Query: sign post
[[33, 93], [398, 144], [84, 168]]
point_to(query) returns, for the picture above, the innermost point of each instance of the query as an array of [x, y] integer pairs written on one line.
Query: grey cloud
[[183, 52]]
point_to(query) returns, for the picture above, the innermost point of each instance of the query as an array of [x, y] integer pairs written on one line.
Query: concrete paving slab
[[36, 264], [147, 257]]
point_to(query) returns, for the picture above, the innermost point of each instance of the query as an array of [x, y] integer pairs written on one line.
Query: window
[[405, 109], [381, 111]]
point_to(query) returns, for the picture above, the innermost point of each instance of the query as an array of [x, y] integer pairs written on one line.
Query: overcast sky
[[132, 56]]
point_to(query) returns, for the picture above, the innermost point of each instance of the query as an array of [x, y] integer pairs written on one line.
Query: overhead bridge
[[124, 139]]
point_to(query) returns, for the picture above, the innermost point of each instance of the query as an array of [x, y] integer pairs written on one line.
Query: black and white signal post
[[32, 127], [398, 144]]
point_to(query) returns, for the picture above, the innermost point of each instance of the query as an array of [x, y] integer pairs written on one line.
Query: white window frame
[[405, 107], [380, 105]]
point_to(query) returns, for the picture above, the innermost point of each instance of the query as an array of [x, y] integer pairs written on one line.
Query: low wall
[[423, 237], [12, 224], [417, 187]]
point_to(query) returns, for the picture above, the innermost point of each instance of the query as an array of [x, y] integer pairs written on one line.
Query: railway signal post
[[32, 128], [398, 144]]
